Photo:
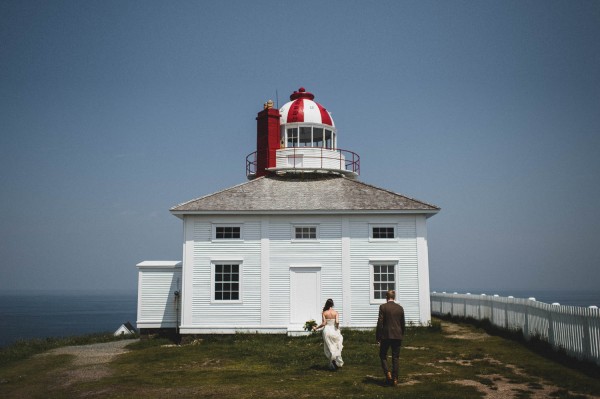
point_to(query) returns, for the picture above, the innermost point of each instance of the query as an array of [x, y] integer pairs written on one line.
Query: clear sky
[[112, 112]]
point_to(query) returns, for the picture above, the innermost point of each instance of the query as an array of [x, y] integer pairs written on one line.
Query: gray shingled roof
[[310, 193]]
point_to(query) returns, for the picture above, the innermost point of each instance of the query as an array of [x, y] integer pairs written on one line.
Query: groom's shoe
[[395, 382], [388, 378]]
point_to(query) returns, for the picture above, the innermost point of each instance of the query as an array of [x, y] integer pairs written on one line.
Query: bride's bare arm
[[323, 322]]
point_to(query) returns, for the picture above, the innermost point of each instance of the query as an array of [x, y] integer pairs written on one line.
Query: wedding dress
[[332, 343]]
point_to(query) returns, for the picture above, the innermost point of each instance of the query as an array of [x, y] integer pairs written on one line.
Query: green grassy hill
[[451, 361]]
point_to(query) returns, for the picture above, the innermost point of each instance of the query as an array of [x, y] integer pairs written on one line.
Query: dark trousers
[[383, 350]]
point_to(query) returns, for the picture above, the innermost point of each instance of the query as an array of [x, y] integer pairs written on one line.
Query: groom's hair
[[391, 294]]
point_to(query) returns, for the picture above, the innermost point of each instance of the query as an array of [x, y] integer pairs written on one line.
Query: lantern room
[[300, 137]]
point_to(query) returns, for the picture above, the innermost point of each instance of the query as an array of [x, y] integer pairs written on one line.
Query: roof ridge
[[215, 193], [391, 192]]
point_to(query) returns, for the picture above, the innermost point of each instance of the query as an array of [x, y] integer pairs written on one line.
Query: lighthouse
[[300, 137], [264, 255]]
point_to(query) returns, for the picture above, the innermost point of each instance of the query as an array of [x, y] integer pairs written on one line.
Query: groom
[[390, 331]]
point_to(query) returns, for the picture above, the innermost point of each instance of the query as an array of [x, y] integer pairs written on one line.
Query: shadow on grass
[[370, 380]]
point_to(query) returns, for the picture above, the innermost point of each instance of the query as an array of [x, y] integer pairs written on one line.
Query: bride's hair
[[328, 304]]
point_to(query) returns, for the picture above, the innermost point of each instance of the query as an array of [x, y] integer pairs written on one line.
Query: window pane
[[227, 285], [328, 139], [317, 137], [383, 279], [304, 233], [227, 232], [383, 232], [292, 140], [305, 136]]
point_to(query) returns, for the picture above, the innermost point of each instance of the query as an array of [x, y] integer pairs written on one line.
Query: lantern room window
[[292, 137], [305, 136], [308, 136], [317, 137]]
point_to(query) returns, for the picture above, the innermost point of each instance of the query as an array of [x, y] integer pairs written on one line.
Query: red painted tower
[[300, 137]]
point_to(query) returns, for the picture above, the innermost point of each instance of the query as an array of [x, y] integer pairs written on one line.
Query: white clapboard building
[[263, 256]]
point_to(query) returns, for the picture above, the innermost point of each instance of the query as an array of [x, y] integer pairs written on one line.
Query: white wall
[[157, 283], [267, 248]]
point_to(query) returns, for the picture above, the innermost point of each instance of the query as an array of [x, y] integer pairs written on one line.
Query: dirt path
[[91, 361], [498, 386]]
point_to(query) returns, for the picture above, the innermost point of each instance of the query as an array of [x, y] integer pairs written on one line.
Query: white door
[[305, 298]]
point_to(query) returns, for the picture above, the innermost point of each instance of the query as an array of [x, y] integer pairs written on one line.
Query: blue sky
[[114, 111]]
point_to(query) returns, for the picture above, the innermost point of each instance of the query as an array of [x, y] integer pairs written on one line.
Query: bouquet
[[308, 326]]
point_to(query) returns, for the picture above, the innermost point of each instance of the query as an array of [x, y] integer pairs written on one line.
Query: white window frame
[[384, 225], [216, 262], [214, 232], [372, 264], [316, 226]]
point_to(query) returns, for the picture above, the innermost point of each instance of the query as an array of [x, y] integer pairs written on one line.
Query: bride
[[332, 338]]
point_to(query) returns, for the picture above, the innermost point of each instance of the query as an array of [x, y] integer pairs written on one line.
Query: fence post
[[550, 328], [526, 323], [587, 341]]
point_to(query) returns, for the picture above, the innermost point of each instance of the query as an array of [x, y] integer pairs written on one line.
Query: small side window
[[305, 232], [383, 232], [227, 232]]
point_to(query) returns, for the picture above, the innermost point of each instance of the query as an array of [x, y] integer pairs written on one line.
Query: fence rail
[[574, 329]]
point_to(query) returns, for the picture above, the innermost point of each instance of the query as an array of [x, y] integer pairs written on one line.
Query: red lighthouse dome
[[302, 109]]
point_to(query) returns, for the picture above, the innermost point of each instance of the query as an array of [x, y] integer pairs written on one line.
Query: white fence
[[571, 328]]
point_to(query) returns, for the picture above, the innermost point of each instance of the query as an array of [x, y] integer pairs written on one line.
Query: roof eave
[[427, 212]]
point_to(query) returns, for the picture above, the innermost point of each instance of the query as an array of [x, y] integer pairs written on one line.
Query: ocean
[[60, 314], [30, 315]]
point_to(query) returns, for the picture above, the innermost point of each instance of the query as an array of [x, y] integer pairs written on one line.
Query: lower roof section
[[304, 193]]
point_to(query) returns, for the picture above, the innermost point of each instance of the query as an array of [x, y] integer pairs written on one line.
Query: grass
[[434, 362]]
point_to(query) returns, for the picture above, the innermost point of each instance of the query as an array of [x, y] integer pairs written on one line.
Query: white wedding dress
[[332, 343]]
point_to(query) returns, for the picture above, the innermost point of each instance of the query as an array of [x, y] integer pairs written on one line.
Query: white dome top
[[302, 109]]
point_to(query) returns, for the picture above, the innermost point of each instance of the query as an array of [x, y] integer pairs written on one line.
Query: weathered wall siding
[[285, 252], [203, 311], [574, 329], [156, 302], [363, 250]]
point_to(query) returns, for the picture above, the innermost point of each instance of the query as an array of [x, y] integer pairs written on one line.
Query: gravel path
[[91, 361]]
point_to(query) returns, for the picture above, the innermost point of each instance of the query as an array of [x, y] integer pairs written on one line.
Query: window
[[384, 279], [227, 232], [226, 285], [328, 139], [383, 232], [305, 136], [305, 232], [317, 137], [292, 137]]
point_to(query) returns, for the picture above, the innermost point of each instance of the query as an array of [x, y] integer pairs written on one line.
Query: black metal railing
[[349, 161]]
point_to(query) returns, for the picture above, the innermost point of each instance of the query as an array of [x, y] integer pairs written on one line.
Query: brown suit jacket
[[390, 324]]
